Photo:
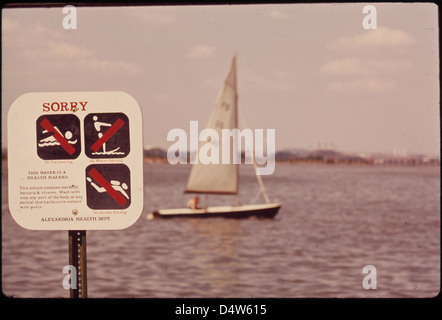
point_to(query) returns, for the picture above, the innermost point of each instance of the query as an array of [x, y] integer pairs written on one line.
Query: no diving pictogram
[[106, 135], [58, 137], [108, 186]]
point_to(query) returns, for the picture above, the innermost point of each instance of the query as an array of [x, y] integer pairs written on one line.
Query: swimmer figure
[[115, 184]]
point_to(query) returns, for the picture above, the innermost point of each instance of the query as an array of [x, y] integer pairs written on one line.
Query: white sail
[[219, 177]]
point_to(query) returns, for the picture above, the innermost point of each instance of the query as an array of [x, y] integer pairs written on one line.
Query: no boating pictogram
[[106, 135]]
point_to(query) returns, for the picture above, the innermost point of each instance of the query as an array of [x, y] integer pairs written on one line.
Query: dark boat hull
[[242, 212]]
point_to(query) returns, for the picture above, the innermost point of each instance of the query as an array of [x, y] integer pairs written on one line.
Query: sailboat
[[222, 178]]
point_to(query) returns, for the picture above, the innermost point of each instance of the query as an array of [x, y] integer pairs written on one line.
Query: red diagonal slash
[[108, 134], [63, 142], [106, 185]]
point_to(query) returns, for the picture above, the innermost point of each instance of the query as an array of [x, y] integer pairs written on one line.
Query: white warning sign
[[75, 161]]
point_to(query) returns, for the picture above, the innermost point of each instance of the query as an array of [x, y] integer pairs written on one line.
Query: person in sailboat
[[194, 203]]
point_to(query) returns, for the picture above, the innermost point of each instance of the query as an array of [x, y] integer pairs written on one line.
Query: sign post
[[75, 162], [77, 259]]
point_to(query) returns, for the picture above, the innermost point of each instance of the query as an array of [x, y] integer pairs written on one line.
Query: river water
[[334, 221]]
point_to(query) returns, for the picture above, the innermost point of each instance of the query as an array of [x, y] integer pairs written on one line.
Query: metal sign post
[[77, 258]]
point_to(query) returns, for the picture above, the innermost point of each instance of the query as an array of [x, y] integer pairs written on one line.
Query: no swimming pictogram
[[106, 135], [108, 186], [58, 137]]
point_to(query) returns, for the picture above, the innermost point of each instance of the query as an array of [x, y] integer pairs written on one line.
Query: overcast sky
[[312, 72]]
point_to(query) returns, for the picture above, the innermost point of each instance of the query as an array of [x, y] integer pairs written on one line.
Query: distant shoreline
[[398, 162], [325, 161]]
